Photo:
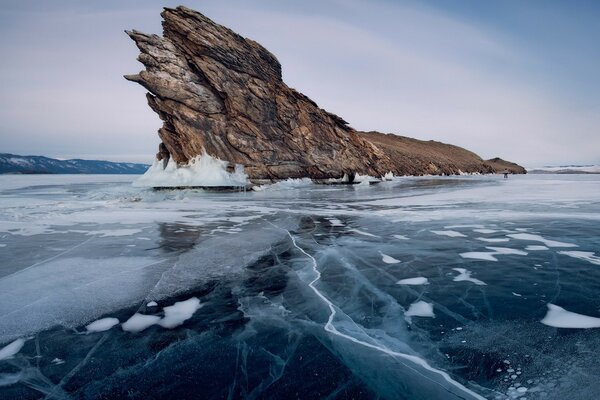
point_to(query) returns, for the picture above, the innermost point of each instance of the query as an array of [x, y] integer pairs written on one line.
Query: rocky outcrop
[[499, 165], [220, 93]]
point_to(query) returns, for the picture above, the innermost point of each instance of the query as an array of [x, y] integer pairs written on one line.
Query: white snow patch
[[465, 275], [401, 237], [558, 317], [102, 325], [179, 312], [420, 309], [517, 294], [388, 259], [493, 240], [115, 232], [490, 256], [507, 250], [536, 247], [449, 233], [413, 281], [485, 230], [582, 255], [11, 349], [203, 170], [138, 322], [152, 304], [335, 222], [538, 238]]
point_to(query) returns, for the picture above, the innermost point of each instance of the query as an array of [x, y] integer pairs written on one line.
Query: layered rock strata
[[220, 93]]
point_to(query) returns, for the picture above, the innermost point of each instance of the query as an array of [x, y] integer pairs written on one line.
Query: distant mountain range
[[14, 164], [567, 169]]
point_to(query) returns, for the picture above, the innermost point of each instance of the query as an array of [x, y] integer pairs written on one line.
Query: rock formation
[[499, 165], [220, 93]]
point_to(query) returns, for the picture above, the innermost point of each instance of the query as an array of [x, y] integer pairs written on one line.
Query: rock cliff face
[[219, 93], [500, 165]]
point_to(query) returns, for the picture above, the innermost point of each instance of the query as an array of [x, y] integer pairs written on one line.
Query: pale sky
[[509, 78]]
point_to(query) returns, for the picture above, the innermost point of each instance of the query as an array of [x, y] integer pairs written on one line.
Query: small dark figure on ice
[[505, 172]]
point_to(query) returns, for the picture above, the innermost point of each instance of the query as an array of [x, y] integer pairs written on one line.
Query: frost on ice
[[102, 325], [558, 317], [464, 275], [203, 170]]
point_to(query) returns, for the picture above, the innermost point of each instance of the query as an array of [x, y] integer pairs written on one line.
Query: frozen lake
[[418, 288]]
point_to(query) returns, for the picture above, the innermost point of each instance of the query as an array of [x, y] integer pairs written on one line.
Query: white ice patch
[[152, 304], [388, 259], [335, 222], [449, 233], [507, 250], [536, 247], [582, 255], [115, 232], [493, 240], [465, 275], [203, 170], [401, 237], [362, 233], [558, 317], [102, 325], [138, 322], [420, 309], [11, 349], [537, 238], [413, 281], [287, 184], [179, 312]]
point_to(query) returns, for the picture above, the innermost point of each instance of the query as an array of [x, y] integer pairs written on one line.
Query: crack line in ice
[[329, 327]]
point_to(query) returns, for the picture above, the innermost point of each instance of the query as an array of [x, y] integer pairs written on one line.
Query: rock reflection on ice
[[11, 349], [582, 255], [537, 238], [139, 322], [413, 281], [449, 233], [388, 259], [558, 317], [465, 275], [420, 309], [179, 312], [102, 325]]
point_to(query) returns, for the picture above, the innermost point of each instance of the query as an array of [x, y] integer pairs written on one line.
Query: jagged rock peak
[[220, 93]]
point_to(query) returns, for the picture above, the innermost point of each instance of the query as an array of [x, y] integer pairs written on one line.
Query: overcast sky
[[515, 79]]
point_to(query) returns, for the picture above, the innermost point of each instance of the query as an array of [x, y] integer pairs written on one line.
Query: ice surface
[[538, 238], [449, 233], [152, 304], [490, 256], [102, 325], [388, 259], [582, 255], [139, 322], [401, 237], [420, 309], [507, 250], [493, 240], [203, 170], [11, 349], [179, 312], [484, 230], [558, 317], [464, 275], [413, 281], [362, 232]]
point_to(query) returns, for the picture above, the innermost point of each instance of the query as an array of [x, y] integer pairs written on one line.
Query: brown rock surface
[[218, 92], [500, 165]]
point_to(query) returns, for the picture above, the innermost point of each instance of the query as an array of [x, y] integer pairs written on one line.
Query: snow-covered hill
[[14, 164]]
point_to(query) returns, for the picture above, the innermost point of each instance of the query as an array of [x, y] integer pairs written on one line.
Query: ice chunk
[[536, 247], [388, 259], [465, 275], [493, 240], [11, 349], [537, 238], [582, 255], [558, 317], [179, 312], [203, 170], [420, 309], [413, 281], [138, 322], [102, 325], [449, 233]]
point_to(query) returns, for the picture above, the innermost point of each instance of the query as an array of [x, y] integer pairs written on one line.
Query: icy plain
[[415, 288]]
